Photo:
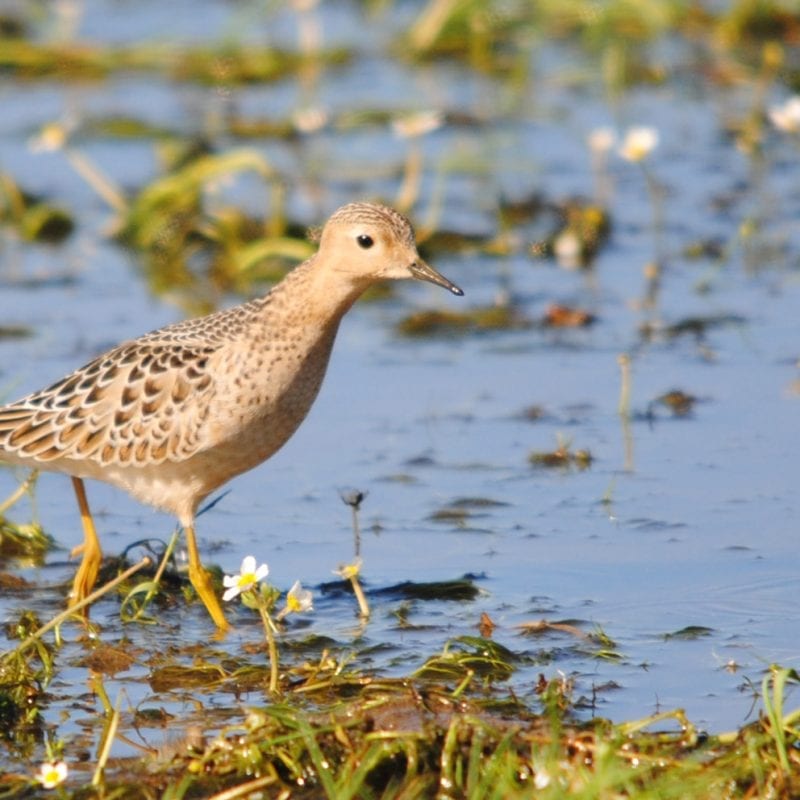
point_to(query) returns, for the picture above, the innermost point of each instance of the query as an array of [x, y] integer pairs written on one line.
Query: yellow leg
[[202, 582], [86, 576]]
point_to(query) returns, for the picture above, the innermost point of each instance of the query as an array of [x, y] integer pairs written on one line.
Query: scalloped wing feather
[[144, 402]]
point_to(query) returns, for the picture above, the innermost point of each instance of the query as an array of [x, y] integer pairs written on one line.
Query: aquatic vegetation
[[437, 322], [578, 230], [25, 541], [184, 234], [690, 632], [32, 217], [339, 731], [680, 403], [466, 657], [697, 327], [463, 511], [559, 316], [250, 587], [351, 572], [751, 21], [459, 590], [15, 331], [563, 457], [394, 741], [176, 225], [236, 64], [22, 541], [223, 65]]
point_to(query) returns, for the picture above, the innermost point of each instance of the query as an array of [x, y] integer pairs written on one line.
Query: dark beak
[[423, 272]]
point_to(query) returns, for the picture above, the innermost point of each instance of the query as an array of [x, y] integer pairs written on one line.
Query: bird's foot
[[204, 587], [86, 576]]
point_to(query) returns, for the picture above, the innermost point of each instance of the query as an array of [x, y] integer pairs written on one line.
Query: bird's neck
[[312, 295]]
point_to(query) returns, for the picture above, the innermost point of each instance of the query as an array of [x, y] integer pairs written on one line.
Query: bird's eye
[[364, 241]]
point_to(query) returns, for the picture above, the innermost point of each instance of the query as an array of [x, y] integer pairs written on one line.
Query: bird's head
[[372, 243]]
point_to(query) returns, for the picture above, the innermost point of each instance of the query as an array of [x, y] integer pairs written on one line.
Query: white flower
[[52, 137], [601, 140], [247, 578], [567, 249], [786, 117], [52, 774], [638, 143], [542, 779], [310, 120], [349, 571], [299, 599]]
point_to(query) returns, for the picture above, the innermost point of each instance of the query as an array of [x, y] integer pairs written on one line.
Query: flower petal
[[232, 592], [52, 773]]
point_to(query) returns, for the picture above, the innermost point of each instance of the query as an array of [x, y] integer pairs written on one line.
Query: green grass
[[339, 734]]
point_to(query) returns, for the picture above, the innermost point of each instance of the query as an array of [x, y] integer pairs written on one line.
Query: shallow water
[[698, 528]]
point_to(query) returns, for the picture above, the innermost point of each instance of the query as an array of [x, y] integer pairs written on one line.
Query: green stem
[[155, 583], [356, 532], [20, 490], [272, 647], [363, 606], [101, 183], [109, 733], [656, 192]]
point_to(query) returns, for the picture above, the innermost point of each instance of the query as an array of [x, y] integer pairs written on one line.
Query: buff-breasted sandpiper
[[176, 413]]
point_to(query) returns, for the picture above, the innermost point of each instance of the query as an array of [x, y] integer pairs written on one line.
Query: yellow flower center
[[246, 580], [51, 775], [350, 571], [293, 603]]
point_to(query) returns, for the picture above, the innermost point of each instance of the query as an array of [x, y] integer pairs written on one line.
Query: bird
[[173, 415]]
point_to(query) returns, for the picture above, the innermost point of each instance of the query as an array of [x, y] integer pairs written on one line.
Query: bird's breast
[[263, 395]]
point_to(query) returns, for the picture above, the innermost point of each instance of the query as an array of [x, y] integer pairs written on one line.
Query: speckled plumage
[[176, 413]]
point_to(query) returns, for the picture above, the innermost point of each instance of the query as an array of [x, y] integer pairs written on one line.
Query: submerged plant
[[32, 217], [186, 234], [482, 319], [177, 222], [22, 540], [563, 457]]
